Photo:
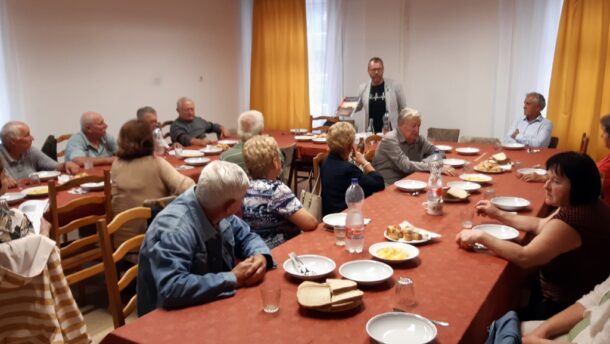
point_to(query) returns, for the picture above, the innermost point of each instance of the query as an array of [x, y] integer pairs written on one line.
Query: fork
[[298, 264]]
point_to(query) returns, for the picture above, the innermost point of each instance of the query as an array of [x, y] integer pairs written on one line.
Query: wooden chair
[[584, 143], [49, 147], [81, 258], [164, 125], [114, 285], [328, 121], [443, 134], [371, 143], [554, 142], [288, 153], [475, 139], [317, 162]]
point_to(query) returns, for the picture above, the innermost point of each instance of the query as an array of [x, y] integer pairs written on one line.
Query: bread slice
[[338, 286], [312, 295], [501, 158], [351, 295], [457, 193]]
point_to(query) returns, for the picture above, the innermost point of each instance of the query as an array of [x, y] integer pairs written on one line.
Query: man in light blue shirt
[[191, 249], [532, 130], [91, 144]]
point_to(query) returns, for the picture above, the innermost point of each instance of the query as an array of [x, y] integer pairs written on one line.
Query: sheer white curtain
[[325, 55], [526, 47], [5, 107]]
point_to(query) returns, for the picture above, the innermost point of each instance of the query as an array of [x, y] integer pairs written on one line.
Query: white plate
[[45, 175], [444, 148], [228, 142], [187, 153], [93, 186], [197, 161], [12, 197], [513, 145], [467, 150], [425, 237], [499, 231], [338, 219], [36, 191], [539, 171], [211, 150], [468, 186], [454, 162], [321, 265], [366, 272], [411, 250], [319, 139], [298, 130], [510, 203], [399, 327], [410, 185], [475, 177], [303, 137]]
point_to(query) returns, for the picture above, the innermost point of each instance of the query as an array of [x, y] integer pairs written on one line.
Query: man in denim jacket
[[192, 250]]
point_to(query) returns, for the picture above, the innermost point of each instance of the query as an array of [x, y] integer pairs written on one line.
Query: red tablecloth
[[467, 289]]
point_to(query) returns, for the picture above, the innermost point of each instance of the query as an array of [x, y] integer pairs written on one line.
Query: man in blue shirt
[[532, 130], [191, 251], [91, 144]]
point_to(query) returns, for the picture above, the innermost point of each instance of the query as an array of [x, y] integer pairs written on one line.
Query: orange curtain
[[580, 84], [279, 78]]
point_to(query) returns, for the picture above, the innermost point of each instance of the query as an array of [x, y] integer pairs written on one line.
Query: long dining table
[[468, 289]]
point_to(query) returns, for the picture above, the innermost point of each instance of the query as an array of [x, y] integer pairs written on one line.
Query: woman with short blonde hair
[[270, 207], [337, 171]]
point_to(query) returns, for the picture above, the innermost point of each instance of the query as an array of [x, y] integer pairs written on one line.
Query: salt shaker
[[405, 293]]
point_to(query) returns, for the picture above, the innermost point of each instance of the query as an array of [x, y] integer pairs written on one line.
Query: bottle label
[[434, 207]]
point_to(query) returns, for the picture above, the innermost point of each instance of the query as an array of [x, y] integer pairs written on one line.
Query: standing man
[[190, 130], [91, 144], [533, 129], [20, 159], [379, 96]]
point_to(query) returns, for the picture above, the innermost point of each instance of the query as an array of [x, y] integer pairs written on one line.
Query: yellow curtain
[[279, 78], [580, 84]]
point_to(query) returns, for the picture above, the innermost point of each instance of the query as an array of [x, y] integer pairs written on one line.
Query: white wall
[[464, 63], [113, 56]]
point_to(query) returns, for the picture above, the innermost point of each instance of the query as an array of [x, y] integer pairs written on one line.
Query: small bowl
[[467, 150], [510, 203], [366, 272], [410, 185], [322, 266]]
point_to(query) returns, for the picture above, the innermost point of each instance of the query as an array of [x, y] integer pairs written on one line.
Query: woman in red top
[[604, 164]]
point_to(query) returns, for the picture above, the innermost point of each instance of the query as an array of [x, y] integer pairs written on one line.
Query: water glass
[[405, 294], [87, 165], [34, 179], [178, 151], [466, 216], [489, 193], [270, 296], [339, 235]]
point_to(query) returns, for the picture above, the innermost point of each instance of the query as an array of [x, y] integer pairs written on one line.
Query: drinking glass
[[339, 235], [489, 193], [270, 296], [87, 165], [466, 216], [178, 151], [405, 294]]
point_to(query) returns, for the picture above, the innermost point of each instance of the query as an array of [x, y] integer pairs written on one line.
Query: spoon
[[437, 322]]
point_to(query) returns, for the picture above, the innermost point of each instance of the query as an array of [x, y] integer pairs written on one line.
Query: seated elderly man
[[91, 144], [20, 159], [189, 130], [533, 129], [403, 151], [249, 124], [149, 115], [191, 251]]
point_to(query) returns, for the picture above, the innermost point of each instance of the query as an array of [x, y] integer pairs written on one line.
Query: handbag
[[311, 199]]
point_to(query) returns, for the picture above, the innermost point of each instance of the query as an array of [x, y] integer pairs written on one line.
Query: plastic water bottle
[[435, 185], [354, 223], [158, 138], [370, 130], [387, 125]]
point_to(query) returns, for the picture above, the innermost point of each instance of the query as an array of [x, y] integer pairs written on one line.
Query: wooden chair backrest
[[443, 134], [166, 124], [62, 138], [114, 285], [554, 142], [81, 258]]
